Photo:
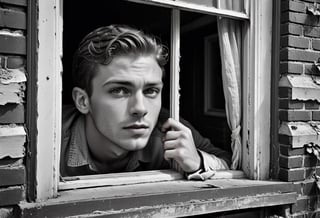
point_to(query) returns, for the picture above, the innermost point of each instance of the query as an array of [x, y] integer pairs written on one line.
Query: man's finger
[[172, 124], [169, 145], [171, 135]]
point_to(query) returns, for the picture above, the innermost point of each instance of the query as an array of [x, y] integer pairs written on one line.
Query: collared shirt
[[76, 158]]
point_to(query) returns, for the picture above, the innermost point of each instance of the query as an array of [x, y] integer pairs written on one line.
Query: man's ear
[[81, 100]]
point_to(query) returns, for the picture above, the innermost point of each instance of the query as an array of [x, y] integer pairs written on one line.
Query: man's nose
[[137, 107]]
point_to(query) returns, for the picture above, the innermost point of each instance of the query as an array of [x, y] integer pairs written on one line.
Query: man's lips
[[136, 126]]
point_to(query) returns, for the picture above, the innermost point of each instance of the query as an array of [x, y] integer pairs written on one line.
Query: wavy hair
[[103, 44]]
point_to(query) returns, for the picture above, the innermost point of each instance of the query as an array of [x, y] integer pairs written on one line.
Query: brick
[[291, 28], [290, 104], [11, 113], [316, 115], [316, 44], [309, 161], [14, 62], [312, 105], [288, 151], [290, 162], [12, 176], [285, 139], [10, 196], [13, 44], [293, 54], [300, 205], [309, 70], [285, 92], [293, 6], [294, 41], [310, 31], [291, 175], [13, 19], [291, 67], [291, 115], [300, 18], [309, 187], [309, 172]]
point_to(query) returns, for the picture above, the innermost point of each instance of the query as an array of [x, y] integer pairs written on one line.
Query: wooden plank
[[12, 44], [116, 179], [15, 2], [12, 113], [12, 139], [12, 93], [12, 176], [193, 208], [11, 196], [8, 76], [12, 19], [160, 198]]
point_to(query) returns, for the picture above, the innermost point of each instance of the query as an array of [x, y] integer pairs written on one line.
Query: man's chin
[[135, 145]]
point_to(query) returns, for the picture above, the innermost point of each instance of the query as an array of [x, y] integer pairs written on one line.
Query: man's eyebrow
[[128, 83], [118, 82]]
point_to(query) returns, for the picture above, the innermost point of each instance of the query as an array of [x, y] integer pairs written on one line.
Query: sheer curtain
[[230, 48]]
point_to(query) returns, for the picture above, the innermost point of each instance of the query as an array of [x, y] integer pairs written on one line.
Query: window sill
[[165, 199]]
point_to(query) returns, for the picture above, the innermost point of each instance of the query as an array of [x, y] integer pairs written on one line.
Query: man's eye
[[119, 91], [151, 92]]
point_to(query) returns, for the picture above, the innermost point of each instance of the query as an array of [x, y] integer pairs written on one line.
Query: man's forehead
[[127, 66]]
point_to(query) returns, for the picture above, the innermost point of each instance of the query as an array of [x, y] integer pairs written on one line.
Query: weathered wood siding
[[13, 33]]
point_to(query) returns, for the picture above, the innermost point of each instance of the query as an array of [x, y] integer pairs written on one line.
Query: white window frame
[[256, 88]]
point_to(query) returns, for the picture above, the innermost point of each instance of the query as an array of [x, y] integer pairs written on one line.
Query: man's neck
[[101, 148]]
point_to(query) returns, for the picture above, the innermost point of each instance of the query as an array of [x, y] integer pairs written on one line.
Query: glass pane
[[233, 5]]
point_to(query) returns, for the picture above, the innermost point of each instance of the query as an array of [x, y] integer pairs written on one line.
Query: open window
[[189, 28], [193, 81]]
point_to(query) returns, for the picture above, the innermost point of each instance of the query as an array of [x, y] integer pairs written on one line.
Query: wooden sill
[[164, 199]]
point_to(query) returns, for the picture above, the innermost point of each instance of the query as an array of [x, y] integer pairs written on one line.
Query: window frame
[[256, 92]]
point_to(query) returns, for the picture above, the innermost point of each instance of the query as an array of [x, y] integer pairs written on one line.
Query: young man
[[117, 123]]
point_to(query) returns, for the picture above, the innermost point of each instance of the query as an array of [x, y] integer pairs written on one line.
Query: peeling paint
[[12, 139], [7, 32], [12, 93], [8, 76]]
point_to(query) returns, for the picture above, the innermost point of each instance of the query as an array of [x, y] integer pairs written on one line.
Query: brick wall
[[299, 102], [13, 30]]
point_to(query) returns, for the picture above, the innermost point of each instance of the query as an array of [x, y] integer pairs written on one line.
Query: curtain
[[230, 48]]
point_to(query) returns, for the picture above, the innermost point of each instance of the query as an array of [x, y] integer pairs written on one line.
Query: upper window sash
[[187, 6]]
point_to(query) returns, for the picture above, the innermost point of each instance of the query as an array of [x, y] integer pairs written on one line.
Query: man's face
[[126, 101]]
